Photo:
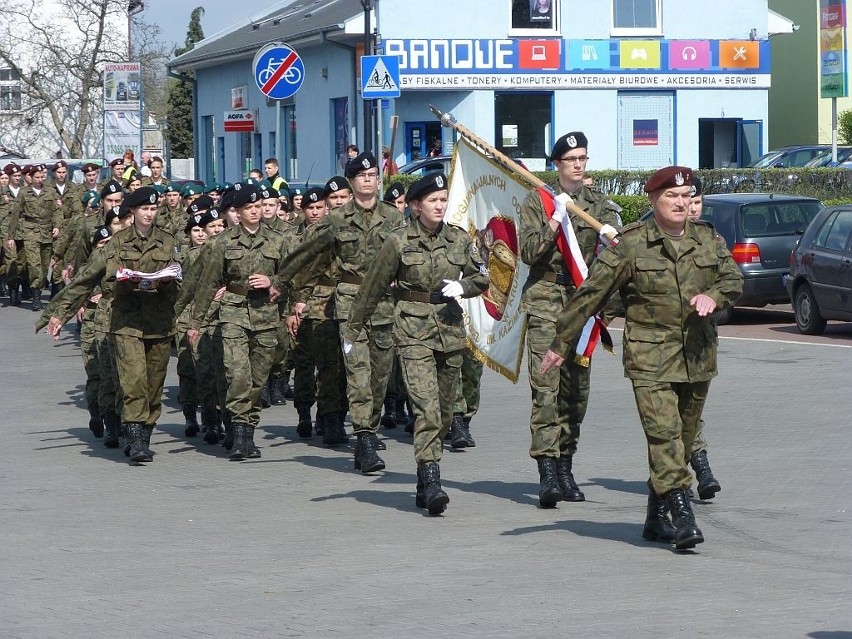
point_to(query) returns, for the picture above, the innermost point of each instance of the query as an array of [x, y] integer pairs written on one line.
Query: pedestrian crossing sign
[[379, 76]]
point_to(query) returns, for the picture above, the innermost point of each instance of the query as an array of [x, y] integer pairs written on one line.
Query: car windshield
[[824, 158], [767, 160], [766, 219]]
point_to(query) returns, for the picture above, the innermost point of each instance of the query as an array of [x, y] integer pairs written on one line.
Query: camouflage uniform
[[31, 217], [429, 329], [559, 397], [467, 396], [669, 351]]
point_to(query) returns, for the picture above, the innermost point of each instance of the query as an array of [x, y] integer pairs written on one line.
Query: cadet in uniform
[[560, 398], [355, 232], [671, 274], [425, 259]]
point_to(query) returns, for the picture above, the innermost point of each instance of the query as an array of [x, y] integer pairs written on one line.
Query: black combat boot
[[435, 497], [14, 294], [549, 492], [36, 303], [687, 533], [305, 426], [471, 443], [409, 427], [708, 485], [265, 400], [26, 291], [319, 424], [379, 443], [189, 415], [138, 450], [148, 430], [211, 425], [389, 419], [570, 490], [285, 381], [367, 459], [252, 451], [334, 433], [276, 391], [238, 447], [399, 415], [96, 423], [4, 290], [228, 440], [658, 526], [459, 435], [112, 430], [419, 495], [125, 433]]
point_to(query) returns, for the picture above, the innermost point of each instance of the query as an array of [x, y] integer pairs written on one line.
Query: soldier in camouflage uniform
[[671, 274], [244, 259], [560, 398], [171, 214], [355, 232], [65, 194], [425, 259]]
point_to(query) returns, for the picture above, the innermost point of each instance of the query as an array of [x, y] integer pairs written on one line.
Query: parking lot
[[296, 544]]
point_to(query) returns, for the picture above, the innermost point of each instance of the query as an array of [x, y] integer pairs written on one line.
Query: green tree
[[844, 126], [180, 131]]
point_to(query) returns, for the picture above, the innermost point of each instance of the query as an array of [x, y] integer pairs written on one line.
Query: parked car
[[819, 284], [844, 154], [789, 156], [421, 167]]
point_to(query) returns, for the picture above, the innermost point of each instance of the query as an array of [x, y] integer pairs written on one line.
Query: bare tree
[[148, 48], [58, 49]]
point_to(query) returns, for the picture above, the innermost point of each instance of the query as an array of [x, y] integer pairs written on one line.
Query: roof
[[290, 21]]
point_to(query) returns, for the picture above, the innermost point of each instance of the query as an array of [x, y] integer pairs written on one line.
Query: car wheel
[[808, 318]]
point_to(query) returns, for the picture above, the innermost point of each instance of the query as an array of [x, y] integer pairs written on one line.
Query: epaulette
[[631, 227], [704, 223]]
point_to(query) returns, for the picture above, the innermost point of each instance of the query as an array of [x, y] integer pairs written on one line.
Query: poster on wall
[[122, 86], [646, 132], [122, 131]]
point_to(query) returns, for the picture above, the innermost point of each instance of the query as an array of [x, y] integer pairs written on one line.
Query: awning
[[780, 24]]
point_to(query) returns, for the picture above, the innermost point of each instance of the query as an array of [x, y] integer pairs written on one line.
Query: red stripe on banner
[[279, 72]]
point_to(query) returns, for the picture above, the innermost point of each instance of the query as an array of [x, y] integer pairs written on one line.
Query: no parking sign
[[278, 70]]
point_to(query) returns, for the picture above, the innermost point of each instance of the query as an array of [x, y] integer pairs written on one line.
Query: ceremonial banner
[[485, 199]]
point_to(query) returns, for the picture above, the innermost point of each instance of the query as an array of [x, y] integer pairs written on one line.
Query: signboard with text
[[123, 86], [834, 82]]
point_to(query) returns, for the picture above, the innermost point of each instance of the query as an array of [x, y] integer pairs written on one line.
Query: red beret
[[89, 166], [26, 169], [35, 168], [669, 177], [117, 161], [11, 168], [60, 164]]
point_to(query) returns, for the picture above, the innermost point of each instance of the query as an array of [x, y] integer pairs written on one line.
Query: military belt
[[422, 296], [548, 276], [327, 281], [236, 289], [348, 278]]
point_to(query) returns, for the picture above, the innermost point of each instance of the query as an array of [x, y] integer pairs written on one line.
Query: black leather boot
[[210, 425], [708, 485], [265, 400], [125, 433], [549, 492], [379, 443], [570, 490], [367, 459], [238, 447], [399, 415], [334, 433], [687, 533], [435, 497], [36, 303], [419, 495], [305, 426], [252, 451], [14, 294], [471, 443], [148, 430], [276, 391], [319, 425], [228, 440], [459, 438], [96, 423], [658, 526], [112, 430], [189, 414], [138, 450], [388, 420]]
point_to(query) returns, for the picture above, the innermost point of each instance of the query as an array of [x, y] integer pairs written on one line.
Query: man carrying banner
[[559, 397], [671, 274]]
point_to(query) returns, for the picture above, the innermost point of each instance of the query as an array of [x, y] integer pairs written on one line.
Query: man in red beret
[[671, 274]]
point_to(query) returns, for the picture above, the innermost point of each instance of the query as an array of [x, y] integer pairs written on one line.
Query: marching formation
[[357, 293]]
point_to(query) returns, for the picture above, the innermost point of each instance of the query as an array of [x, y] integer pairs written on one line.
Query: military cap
[[212, 186], [227, 200], [59, 164], [193, 221], [116, 213], [35, 168], [669, 177], [110, 187], [250, 181], [26, 169], [142, 195], [297, 190], [245, 195], [697, 189], [89, 166], [312, 196], [11, 168], [101, 233], [117, 161], [171, 188], [210, 216], [203, 203], [569, 141], [424, 186], [337, 183], [227, 186], [189, 189], [91, 198], [362, 162], [268, 193], [159, 188], [394, 191]]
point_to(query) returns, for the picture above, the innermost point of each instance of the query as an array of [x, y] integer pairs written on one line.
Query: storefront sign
[[122, 86], [834, 82], [239, 121]]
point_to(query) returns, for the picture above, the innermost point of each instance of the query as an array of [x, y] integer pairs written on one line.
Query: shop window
[[636, 17], [523, 127], [534, 17]]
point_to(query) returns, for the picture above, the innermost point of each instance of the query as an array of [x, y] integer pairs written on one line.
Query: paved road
[[297, 545]]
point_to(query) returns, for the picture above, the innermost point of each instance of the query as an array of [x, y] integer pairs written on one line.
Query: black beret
[[312, 196], [142, 195], [669, 177], [268, 193], [394, 191], [116, 213], [193, 221], [111, 188], [101, 233], [203, 203], [227, 200], [424, 186], [245, 195], [697, 189], [569, 141], [337, 183], [362, 162], [210, 216]]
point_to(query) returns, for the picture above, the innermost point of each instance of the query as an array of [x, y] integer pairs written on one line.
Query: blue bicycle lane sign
[[278, 70]]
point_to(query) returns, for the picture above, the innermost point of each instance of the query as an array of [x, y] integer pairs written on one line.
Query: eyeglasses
[[578, 158], [368, 175]]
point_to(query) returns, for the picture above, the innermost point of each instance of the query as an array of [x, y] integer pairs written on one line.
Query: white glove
[[453, 288], [607, 230], [347, 346], [562, 201]]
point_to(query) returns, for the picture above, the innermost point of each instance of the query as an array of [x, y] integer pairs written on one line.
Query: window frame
[[15, 88], [554, 30], [617, 31]]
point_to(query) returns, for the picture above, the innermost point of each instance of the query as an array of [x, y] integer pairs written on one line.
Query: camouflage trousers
[[467, 393], [91, 364], [210, 383], [431, 378], [247, 356], [37, 256], [560, 397], [670, 412], [368, 367], [283, 358], [318, 373], [187, 391], [142, 364], [109, 390], [16, 263]]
